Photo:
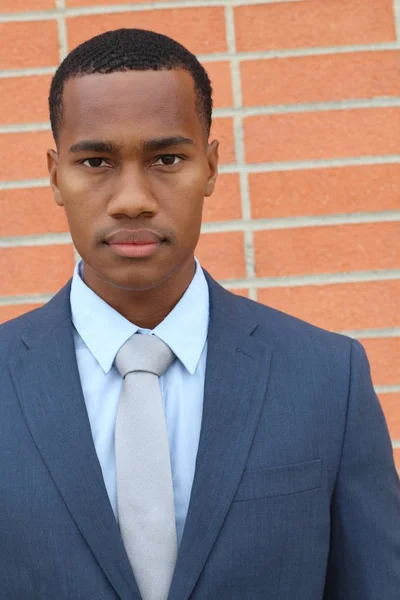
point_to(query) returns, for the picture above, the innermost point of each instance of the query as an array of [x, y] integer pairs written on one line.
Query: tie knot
[[144, 353]]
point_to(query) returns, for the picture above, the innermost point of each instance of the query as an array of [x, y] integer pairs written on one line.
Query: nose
[[132, 196]]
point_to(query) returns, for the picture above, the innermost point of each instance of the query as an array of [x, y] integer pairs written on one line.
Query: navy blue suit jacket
[[295, 495]]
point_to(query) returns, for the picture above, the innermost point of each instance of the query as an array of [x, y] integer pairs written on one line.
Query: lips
[[129, 237], [130, 244]]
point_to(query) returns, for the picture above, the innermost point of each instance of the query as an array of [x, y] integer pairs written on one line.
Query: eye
[[94, 163], [168, 160]]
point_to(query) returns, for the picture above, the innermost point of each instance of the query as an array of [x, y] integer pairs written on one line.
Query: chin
[[137, 278], [134, 275]]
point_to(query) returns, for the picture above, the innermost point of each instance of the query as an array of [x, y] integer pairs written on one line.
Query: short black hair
[[129, 50]]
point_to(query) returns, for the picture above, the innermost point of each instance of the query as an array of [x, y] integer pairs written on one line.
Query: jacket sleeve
[[364, 559]]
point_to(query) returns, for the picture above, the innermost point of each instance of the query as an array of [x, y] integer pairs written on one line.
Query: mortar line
[[315, 280], [301, 52], [25, 127], [25, 299], [396, 7], [239, 147], [301, 222], [45, 239], [274, 109], [317, 163], [382, 333], [387, 389], [24, 184], [31, 72], [62, 29]]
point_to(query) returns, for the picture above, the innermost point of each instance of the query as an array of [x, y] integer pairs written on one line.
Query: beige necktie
[[145, 496]]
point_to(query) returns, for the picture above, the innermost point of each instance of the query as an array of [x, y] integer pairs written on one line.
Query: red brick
[[384, 355], [325, 191], [329, 249], [29, 44], [224, 204], [14, 93], [29, 212], [26, 155], [26, 5], [330, 134], [10, 312], [320, 78], [222, 254], [391, 407], [316, 23], [339, 307], [189, 26], [221, 80], [222, 130], [35, 269]]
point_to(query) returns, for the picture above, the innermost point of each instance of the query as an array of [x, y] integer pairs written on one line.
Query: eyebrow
[[149, 145], [167, 142], [94, 146]]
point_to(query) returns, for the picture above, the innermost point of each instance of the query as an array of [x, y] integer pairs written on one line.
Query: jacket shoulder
[[11, 332], [38, 322]]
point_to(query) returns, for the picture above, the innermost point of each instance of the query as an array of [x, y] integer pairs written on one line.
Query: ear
[[212, 159], [52, 165]]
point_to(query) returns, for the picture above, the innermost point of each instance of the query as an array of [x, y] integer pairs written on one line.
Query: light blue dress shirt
[[99, 333]]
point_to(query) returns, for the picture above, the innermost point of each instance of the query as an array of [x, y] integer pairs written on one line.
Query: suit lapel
[[47, 381], [235, 387]]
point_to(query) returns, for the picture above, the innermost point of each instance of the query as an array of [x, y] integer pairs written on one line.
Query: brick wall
[[306, 216]]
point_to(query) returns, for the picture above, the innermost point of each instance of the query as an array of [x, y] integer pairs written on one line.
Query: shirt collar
[[104, 330]]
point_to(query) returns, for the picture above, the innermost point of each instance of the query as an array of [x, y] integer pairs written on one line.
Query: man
[[161, 437]]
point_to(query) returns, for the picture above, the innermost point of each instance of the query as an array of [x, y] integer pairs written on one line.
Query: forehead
[[130, 104]]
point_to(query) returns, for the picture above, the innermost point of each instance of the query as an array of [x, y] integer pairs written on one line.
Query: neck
[[145, 308]]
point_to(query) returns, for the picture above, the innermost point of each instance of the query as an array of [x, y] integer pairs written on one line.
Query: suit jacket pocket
[[279, 481]]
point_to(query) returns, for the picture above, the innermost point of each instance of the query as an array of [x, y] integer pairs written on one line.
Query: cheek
[[186, 215], [79, 213], [186, 198], [71, 182], [79, 199]]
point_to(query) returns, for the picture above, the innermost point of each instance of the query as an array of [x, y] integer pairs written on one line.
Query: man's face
[[132, 169]]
